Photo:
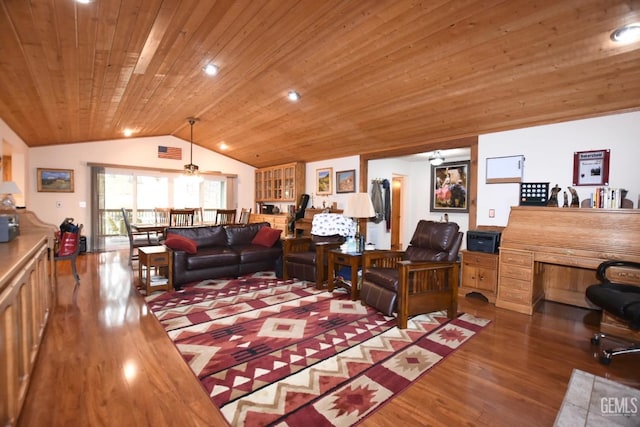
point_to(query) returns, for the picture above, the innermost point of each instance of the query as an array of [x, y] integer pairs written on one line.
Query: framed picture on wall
[[591, 167], [450, 182], [55, 180], [324, 184], [346, 181]]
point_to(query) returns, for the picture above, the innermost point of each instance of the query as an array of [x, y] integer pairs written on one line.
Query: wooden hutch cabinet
[[283, 183]]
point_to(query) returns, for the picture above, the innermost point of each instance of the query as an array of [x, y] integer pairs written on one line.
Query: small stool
[[155, 257]]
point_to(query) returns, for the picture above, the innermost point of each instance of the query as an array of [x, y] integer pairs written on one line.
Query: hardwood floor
[[105, 361]]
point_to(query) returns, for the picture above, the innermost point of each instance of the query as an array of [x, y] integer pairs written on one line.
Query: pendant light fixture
[[436, 159], [191, 169]]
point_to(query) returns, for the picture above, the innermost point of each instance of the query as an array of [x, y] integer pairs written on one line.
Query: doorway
[[397, 184]]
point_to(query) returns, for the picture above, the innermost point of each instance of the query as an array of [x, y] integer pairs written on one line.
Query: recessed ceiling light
[[83, 1], [627, 34], [210, 69], [127, 132], [223, 146], [293, 95]]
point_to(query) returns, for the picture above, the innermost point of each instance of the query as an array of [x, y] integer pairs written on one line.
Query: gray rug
[[595, 401]]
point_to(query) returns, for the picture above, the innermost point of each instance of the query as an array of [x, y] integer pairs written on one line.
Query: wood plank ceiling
[[374, 75]]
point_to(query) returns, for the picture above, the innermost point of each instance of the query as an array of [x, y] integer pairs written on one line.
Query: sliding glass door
[[140, 192]]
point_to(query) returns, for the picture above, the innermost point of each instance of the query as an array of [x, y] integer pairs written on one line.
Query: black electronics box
[[483, 241], [534, 193]]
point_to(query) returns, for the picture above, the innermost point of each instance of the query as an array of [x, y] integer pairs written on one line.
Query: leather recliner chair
[[305, 258], [422, 279]]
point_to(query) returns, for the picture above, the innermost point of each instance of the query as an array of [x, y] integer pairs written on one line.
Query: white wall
[[339, 164], [416, 199], [548, 152], [12, 145], [131, 152]]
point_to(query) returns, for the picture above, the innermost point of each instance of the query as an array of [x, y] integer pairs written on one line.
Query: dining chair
[[198, 217], [245, 215], [137, 239], [225, 216], [181, 217], [162, 215]]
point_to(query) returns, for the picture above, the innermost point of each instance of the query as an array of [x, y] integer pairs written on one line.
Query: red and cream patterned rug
[[274, 352]]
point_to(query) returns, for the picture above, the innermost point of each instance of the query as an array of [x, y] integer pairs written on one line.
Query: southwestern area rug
[[274, 352]]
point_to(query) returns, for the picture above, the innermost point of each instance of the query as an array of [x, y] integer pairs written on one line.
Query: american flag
[[169, 152]]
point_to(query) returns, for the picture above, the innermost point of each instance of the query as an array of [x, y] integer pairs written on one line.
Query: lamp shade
[[359, 206], [9, 187]]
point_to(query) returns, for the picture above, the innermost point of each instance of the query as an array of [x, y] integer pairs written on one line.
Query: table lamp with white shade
[[7, 190], [358, 207]]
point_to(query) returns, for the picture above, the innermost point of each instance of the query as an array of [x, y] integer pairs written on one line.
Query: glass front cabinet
[[283, 183]]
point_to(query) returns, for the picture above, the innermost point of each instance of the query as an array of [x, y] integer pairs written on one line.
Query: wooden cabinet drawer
[[524, 259], [515, 285], [515, 272], [341, 259], [515, 296], [158, 259], [479, 259]]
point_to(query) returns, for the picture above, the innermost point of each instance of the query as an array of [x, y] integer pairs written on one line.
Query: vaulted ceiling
[[374, 75]]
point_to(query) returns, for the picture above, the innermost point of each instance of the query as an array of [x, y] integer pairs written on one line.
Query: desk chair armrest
[[626, 277]]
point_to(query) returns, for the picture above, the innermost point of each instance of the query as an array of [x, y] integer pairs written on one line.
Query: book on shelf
[[606, 198]]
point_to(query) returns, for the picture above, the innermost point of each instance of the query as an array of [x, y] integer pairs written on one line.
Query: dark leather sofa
[[223, 251]]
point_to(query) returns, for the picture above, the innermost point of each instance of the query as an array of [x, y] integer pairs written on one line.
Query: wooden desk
[[552, 253], [348, 259], [154, 257]]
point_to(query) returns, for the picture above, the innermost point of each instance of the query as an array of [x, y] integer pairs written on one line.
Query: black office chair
[[620, 300]]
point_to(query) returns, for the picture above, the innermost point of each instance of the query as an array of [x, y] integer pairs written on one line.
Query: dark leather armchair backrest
[[434, 241]]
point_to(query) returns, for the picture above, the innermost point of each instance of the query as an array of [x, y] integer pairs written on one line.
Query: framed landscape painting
[[450, 182], [346, 181], [324, 185], [55, 180]]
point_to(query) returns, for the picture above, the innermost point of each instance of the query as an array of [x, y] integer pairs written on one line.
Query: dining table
[[150, 228]]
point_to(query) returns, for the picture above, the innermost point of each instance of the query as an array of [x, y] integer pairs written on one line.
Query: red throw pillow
[[266, 236], [181, 243]]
